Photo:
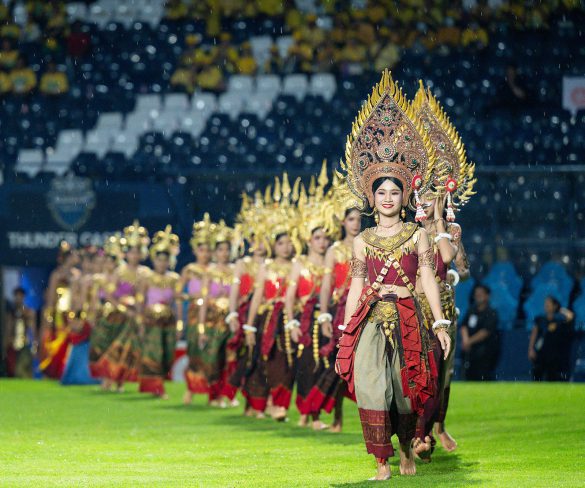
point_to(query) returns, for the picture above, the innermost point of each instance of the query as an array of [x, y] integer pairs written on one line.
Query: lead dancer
[[453, 187], [385, 353]]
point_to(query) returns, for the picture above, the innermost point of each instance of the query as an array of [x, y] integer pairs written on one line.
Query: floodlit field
[[509, 435]]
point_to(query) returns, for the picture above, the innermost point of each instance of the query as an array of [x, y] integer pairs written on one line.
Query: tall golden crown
[[387, 140], [454, 175], [338, 200], [113, 246], [313, 211], [203, 232], [135, 236], [221, 232], [164, 241]]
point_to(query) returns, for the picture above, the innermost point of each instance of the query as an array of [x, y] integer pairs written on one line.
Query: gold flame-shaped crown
[[135, 236], [113, 247], [203, 231], [221, 232], [164, 241], [451, 160], [387, 140]]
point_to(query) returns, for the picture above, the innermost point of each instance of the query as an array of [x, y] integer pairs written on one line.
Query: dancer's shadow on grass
[[446, 470]]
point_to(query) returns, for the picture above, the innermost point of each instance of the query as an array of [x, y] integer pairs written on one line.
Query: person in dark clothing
[[479, 337], [549, 348]]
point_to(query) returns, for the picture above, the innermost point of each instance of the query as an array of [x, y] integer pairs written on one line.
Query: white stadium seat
[[295, 85], [98, 141], [231, 103], [126, 143], [30, 161], [148, 102], [268, 84], [176, 102], [241, 83], [323, 84]]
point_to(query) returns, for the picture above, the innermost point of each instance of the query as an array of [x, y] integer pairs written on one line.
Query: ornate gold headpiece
[[202, 232], [113, 247], [135, 236], [221, 233], [164, 241], [454, 173], [387, 140]]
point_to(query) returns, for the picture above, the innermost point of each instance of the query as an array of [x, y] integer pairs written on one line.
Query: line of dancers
[[294, 297]]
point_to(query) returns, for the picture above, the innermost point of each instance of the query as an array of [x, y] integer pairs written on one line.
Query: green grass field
[[509, 435]]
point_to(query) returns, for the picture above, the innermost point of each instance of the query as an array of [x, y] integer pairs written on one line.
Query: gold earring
[[403, 213], [376, 217]]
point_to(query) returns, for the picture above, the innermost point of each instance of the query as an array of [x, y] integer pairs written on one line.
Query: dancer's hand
[[295, 334], [234, 325], [440, 202], [202, 341], [250, 339], [445, 341], [327, 328]]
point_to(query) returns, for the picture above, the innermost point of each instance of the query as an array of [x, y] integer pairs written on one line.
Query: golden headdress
[[312, 206], [164, 241], [135, 236], [387, 140], [338, 200], [221, 233], [454, 172], [113, 247], [203, 232]]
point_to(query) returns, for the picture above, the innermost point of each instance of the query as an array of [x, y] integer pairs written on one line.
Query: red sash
[[269, 335]]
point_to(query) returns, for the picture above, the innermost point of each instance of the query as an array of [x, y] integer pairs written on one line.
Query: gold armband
[[358, 269], [201, 328], [427, 258]]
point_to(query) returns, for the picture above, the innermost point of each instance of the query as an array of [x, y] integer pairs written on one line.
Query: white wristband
[[441, 324], [443, 235], [455, 275], [324, 317], [230, 316], [249, 328], [292, 324], [342, 327]]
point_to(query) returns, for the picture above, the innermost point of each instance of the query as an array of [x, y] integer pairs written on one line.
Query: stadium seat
[[295, 85], [176, 102], [323, 85], [241, 83], [30, 162], [268, 85]]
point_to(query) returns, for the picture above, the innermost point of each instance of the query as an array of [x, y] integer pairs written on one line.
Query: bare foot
[[120, 389], [407, 465], [278, 414], [214, 403], [383, 473], [249, 412], [303, 421], [319, 425], [234, 403], [448, 443], [259, 415], [106, 385], [336, 428], [422, 449], [164, 396], [187, 398]]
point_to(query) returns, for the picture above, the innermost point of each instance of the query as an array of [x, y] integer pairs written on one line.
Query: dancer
[[107, 322], [243, 369], [121, 360], [56, 315], [208, 362], [329, 390], [76, 371], [20, 337], [453, 187], [193, 276], [158, 321], [276, 225], [385, 353], [302, 296]]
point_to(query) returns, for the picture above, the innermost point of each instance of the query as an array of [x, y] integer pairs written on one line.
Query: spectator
[[479, 337], [550, 342], [20, 340], [246, 64], [5, 84], [78, 41], [211, 79], [182, 80], [274, 64], [54, 82], [8, 55], [23, 78]]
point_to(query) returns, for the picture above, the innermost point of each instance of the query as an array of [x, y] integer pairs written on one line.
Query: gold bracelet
[[201, 328]]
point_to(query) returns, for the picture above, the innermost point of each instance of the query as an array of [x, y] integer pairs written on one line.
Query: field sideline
[[510, 435]]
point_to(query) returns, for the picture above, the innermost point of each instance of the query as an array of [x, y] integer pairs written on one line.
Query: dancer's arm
[[234, 323], [257, 296], [426, 266], [358, 277], [326, 291], [447, 246], [462, 262], [291, 294]]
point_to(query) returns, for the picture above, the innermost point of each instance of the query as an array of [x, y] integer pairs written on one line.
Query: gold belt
[[159, 311], [386, 313]]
